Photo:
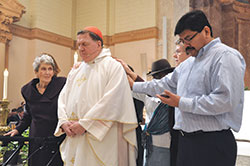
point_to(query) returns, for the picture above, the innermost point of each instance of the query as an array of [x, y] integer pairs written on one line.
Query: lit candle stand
[[4, 110], [75, 58]]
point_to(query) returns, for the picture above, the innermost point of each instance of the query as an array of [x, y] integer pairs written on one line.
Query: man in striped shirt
[[208, 92]]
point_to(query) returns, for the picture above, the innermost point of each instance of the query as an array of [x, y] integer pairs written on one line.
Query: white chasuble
[[98, 96]]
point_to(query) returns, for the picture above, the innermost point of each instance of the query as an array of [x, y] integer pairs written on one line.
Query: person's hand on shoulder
[[127, 69], [125, 66]]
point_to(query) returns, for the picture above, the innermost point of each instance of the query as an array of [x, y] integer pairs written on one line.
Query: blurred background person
[[15, 116], [158, 121], [156, 139], [41, 95], [180, 54], [139, 105], [160, 68]]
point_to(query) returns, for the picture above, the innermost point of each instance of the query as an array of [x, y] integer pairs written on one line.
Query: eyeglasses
[[186, 40]]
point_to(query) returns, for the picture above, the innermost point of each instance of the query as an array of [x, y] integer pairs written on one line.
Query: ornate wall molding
[[51, 37], [225, 1], [243, 45], [242, 10], [141, 34], [20, 31], [36, 33], [10, 11]]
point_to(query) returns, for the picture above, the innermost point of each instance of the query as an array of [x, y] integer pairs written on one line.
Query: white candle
[[75, 58], [5, 83]]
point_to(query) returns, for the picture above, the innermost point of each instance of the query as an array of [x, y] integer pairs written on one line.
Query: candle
[[5, 83], [75, 58]]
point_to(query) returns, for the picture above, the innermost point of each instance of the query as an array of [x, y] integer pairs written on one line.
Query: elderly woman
[[41, 96]]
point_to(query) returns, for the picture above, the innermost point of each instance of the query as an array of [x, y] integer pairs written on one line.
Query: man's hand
[[172, 99], [67, 130], [129, 72], [77, 128], [12, 133]]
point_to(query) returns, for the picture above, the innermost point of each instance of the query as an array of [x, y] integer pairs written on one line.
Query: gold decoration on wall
[[10, 11], [4, 111]]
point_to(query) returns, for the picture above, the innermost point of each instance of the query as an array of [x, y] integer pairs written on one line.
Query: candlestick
[[4, 111], [75, 58], [5, 83]]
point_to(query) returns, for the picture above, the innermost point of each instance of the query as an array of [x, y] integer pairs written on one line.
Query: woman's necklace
[[40, 88], [38, 85]]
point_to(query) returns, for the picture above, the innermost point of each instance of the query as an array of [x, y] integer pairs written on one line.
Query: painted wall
[[115, 16], [132, 15], [53, 16], [134, 52], [91, 13]]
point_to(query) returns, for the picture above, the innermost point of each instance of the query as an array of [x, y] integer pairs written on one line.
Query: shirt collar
[[105, 52], [208, 46]]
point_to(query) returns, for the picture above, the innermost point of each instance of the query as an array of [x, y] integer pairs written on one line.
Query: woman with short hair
[[41, 96]]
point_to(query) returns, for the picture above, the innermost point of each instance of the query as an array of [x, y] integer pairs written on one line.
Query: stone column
[[173, 10], [10, 11]]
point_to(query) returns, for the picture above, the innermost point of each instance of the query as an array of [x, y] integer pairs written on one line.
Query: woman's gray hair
[[44, 58]]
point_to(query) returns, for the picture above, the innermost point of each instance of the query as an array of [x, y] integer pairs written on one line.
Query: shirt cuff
[[137, 87]]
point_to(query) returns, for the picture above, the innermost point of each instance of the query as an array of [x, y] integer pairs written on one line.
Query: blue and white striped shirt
[[211, 86]]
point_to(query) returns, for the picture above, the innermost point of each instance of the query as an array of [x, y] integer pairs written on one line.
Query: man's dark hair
[[194, 20], [92, 35]]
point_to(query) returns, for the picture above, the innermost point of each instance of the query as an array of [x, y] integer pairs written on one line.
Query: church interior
[[137, 31]]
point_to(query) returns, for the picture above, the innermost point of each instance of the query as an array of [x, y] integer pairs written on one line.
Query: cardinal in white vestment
[[95, 109]]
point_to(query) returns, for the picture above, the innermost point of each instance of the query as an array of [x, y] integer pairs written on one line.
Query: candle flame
[[6, 73], [75, 58]]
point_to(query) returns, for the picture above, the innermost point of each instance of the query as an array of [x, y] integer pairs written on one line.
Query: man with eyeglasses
[[207, 90]]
